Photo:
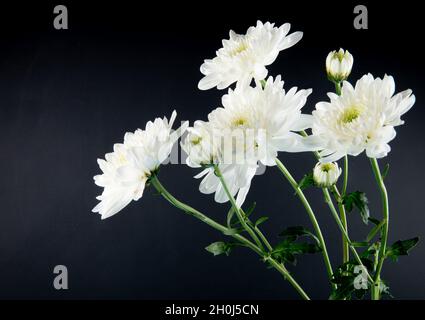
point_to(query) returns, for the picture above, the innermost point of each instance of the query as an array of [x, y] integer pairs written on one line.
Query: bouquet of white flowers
[[257, 120]]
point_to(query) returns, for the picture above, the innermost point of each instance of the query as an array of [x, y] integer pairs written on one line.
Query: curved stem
[[385, 227], [197, 214], [311, 215], [262, 236], [186, 208], [328, 200], [240, 214]]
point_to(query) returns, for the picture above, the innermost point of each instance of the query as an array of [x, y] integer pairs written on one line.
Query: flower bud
[[338, 65], [326, 174]]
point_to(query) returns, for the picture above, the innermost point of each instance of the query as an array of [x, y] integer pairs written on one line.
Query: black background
[[67, 95]]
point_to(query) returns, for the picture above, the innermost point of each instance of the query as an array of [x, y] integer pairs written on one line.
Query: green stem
[[341, 207], [240, 214], [197, 214], [281, 268], [343, 216], [311, 215], [385, 227], [345, 183], [338, 88], [328, 200], [262, 237], [188, 209]]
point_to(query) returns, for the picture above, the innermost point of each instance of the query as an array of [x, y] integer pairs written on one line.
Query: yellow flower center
[[196, 140], [351, 113], [241, 47], [339, 55], [326, 167], [239, 122]]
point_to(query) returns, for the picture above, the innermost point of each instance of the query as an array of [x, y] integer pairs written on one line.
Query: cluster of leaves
[[394, 251], [290, 246], [358, 200], [285, 251], [234, 225], [349, 279]]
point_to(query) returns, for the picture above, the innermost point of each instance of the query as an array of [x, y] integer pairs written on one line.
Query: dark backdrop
[[67, 96]]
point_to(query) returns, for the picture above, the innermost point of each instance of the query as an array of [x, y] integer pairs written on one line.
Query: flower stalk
[[338, 88], [225, 230], [239, 213], [311, 215], [343, 217], [341, 207], [328, 200], [386, 215]]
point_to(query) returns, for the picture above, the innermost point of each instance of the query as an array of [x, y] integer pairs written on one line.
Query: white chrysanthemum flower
[[268, 119], [201, 146], [251, 127], [362, 118], [244, 57], [326, 174], [127, 169], [115, 195], [339, 65]]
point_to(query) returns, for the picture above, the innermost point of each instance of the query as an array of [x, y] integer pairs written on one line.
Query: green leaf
[[286, 251], [298, 231], [217, 248], [375, 230], [289, 248], [359, 200], [306, 181], [260, 221], [401, 248], [297, 247], [385, 171], [263, 83], [374, 220], [250, 210], [371, 250]]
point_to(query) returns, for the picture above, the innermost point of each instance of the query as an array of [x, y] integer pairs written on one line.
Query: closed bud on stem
[[339, 65], [326, 174]]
